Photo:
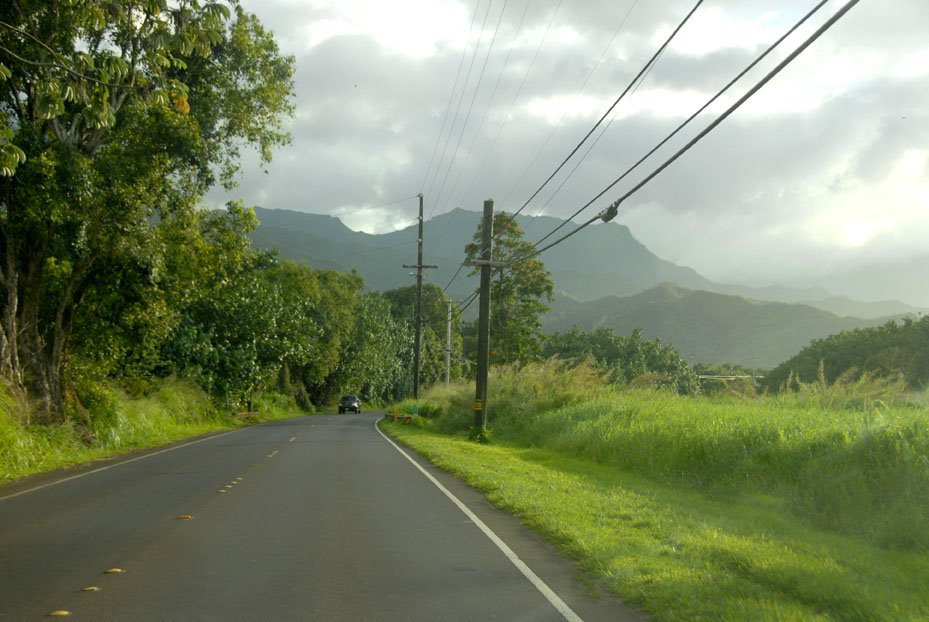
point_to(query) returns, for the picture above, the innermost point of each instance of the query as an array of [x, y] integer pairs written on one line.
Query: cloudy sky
[[462, 100]]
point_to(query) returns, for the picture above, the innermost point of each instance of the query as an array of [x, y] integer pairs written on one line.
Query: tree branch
[[57, 63]]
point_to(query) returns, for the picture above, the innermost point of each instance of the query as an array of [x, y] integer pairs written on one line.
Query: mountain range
[[705, 326], [604, 277]]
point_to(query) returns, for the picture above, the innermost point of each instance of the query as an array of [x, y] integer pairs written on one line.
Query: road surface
[[316, 518]]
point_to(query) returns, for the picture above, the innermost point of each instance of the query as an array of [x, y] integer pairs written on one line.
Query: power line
[[548, 139], [586, 80], [519, 90], [451, 129], [493, 95], [609, 213], [590, 148], [686, 122], [451, 96], [512, 104], [455, 276], [615, 103], [467, 302], [467, 118]]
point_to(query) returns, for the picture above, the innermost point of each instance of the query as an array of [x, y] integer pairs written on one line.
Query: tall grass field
[[808, 505]]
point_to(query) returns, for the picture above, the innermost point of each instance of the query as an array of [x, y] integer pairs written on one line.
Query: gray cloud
[[369, 119]]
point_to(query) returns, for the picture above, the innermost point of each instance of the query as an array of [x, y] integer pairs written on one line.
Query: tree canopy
[[897, 348], [118, 116], [626, 359], [435, 316], [518, 292]]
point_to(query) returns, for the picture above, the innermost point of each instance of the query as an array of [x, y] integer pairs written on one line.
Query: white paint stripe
[[561, 606], [110, 466]]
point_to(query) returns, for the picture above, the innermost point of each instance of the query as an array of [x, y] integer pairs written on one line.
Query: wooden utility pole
[[448, 346], [483, 322], [419, 299]]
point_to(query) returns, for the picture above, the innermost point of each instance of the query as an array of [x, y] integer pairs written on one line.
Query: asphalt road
[[317, 518]]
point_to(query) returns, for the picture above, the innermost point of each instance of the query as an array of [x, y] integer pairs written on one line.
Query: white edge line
[[120, 463], [566, 612]]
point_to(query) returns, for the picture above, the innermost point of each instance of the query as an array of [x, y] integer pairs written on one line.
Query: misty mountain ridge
[[602, 260], [706, 326]]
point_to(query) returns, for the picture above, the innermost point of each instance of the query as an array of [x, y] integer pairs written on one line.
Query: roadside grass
[[109, 423], [852, 458], [680, 554], [812, 504]]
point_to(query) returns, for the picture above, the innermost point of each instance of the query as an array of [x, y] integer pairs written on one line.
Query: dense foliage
[[435, 314], [519, 292], [624, 359], [116, 115], [894, 349]]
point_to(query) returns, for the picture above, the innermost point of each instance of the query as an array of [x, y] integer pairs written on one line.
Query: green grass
[[110, 423], [811, 505], [679, 554]]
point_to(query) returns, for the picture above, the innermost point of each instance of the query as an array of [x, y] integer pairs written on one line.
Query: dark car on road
[[349, 403]]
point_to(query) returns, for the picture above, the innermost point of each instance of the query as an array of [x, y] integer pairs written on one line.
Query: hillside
[[602, 260], [892, 349], [705, 326], [611, 261], [604, 276]]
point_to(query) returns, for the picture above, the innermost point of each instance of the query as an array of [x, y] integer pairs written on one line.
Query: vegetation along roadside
[[122, 424], [810, 505]]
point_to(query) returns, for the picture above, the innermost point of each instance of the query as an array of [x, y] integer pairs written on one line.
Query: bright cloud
[[826, 166]]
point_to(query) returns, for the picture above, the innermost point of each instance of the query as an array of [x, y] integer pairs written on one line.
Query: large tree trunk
[[9, 325], [9, 328]]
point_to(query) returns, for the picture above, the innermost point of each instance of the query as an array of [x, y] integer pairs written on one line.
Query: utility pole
[[419, 299], [448, 345], [483, 322]]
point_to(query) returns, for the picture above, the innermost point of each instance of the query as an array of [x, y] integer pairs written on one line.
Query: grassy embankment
[[114, 423], [809, 506]]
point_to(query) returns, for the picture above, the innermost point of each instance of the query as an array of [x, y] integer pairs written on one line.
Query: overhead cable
[[610, 212], [515, 98], [477, 88], [699, 111], [577, 94], [467, 302], [451, 96], [590, 148], [615, 103], [455, 276], [451, 131], [493, 95]]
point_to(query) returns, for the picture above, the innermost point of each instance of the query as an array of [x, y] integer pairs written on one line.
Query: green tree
[[435, 320], [897, 348], [116, 114], [518, 295], [247, 320], [625, 358], [374, 362], [318, 316]]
